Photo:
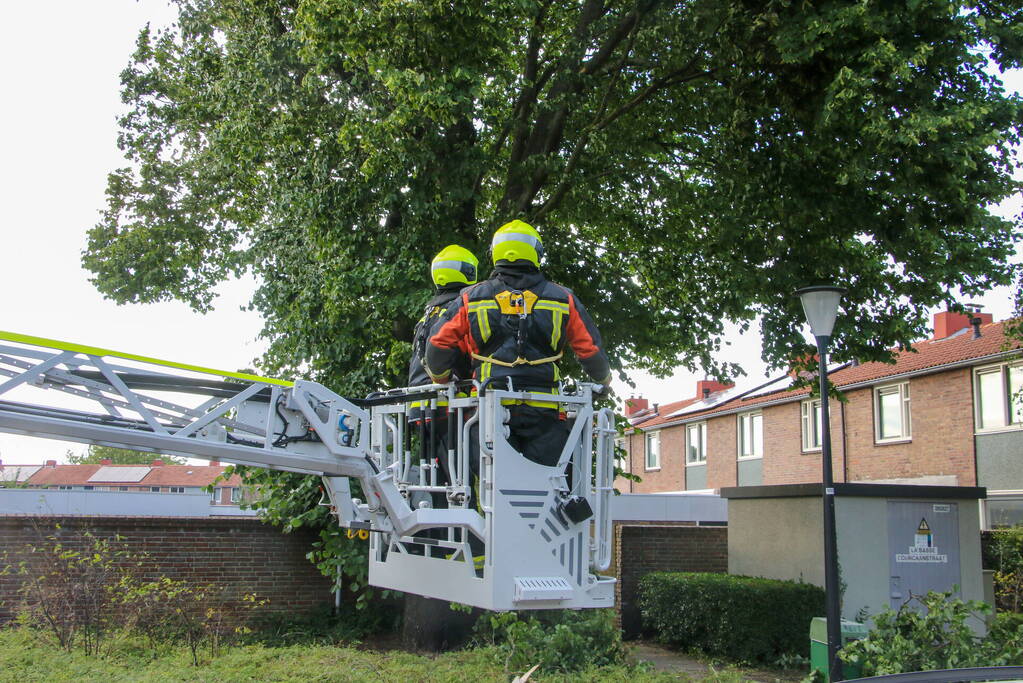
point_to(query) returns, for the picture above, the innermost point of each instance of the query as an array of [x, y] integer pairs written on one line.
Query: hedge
[[740, 618]]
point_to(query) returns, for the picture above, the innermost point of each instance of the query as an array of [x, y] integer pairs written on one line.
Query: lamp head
[[820, 304]]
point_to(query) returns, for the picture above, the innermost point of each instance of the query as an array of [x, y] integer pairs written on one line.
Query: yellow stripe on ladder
[[96, 351]]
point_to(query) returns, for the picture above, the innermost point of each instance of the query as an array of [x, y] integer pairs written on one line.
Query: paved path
[[664, 659], [670, 661]]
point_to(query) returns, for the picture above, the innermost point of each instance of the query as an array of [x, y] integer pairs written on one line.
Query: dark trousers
[[539, 434]]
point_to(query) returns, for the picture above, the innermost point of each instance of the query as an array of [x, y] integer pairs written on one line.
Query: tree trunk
[[431, 625]]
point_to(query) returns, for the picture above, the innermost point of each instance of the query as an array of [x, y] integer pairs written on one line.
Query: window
[[154, 489], [177, 489], [122, 488], [891, 413], [62, 487], [999, 396], [88, 488], [811, 418], [696, 443], [236, 495], [653, 451], [215, 497], [751, 435]]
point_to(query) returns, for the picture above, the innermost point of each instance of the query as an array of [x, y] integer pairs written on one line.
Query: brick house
[[947, 412], [153, 478]]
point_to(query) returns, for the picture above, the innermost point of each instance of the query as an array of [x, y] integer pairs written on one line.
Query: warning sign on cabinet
[[923, 548]]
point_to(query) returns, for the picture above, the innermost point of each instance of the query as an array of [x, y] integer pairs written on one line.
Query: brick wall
[[784, 459], [942, 432], [722, 452], [671, 475], [641, 548], [241, 555]]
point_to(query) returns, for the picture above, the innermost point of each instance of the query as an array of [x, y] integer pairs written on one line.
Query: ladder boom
[[535, 539]]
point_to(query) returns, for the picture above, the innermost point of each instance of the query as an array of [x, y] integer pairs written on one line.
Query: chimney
[[706, 387], [976, 327], [52, 464], [157, 463], [632, 406], [948, 323], [106, 461]]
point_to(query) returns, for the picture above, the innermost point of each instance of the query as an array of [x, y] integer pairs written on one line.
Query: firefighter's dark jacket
[[517, 324], [417, 375]]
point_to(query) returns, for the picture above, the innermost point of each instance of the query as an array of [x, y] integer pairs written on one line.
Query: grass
[[27, 655]]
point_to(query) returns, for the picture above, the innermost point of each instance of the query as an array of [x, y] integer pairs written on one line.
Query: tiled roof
[[928, 355], [188, 475], [664, 413], [164, 475]]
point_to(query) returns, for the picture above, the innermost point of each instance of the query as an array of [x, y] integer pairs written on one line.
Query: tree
[[118, 456], [687, 163]]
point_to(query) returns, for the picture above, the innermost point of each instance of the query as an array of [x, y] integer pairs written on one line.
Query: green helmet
[[454, 264], [516, 241]]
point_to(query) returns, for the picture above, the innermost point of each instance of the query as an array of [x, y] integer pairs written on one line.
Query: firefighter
[[453, 268], [517, 325]]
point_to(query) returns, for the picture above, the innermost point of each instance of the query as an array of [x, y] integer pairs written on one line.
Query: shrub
[[169, 610], [934, 637], [322, 626], [66, 588], [740, 618], [556, 640], [1004, 553]]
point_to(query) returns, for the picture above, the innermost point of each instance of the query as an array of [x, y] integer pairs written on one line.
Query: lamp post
[[820, 304]]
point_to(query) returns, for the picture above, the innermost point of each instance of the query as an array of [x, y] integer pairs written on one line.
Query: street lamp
[[820, 304]]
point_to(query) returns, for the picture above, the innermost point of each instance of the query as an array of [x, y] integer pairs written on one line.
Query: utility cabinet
[[894, 541]]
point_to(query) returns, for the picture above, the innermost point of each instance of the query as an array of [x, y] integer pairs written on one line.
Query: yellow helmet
[[454, 264], [515, 241]]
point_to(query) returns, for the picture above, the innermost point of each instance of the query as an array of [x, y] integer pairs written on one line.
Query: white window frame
[[1006, 423], [654, 437], [215, 496], [745, 432], [810, 421], [700, 428], [236, 495], [902, 390], [177, 489]]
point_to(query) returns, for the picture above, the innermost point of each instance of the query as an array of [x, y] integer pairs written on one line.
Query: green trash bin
[[851, 630]]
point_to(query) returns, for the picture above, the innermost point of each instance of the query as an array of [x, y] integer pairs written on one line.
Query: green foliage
[[168, 610], [932, 632], [66, 587], [737, 617], [559, 640], [323, 626], [119, 456], [1005, 554], [710, 148], [23, 657]]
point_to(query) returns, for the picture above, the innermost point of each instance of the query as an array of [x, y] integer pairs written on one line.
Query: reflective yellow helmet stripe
[[454, 264], [516, 241]]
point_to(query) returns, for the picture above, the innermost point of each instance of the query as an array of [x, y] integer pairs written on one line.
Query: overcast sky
[[60, 74]]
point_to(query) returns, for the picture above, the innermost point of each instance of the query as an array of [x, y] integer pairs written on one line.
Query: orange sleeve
[[449, 342]]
